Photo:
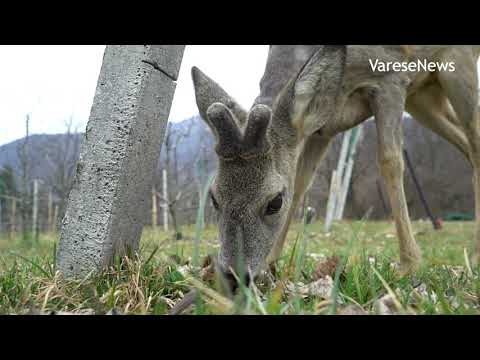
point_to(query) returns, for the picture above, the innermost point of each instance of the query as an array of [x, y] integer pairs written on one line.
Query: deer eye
[[214, 202], [274, 205]]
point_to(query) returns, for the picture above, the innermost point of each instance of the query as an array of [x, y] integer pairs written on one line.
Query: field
[[351, 270]]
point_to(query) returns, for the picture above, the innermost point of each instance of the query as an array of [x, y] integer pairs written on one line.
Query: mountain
[[45, 150]]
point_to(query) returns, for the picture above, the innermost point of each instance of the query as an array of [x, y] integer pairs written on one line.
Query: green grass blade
[[38, 267], [199, 222]]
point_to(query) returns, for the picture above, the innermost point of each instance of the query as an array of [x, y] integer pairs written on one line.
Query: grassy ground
[[352, 269]]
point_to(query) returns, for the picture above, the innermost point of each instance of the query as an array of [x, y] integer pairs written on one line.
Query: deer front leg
[[387, 104], [314, 150]]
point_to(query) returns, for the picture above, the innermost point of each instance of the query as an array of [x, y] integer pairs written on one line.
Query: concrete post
[[107, 206]]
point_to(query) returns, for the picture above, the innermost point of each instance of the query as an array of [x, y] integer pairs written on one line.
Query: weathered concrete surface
[[107, 205]]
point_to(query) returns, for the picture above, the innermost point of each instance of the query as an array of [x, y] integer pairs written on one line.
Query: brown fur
[[408, 51]]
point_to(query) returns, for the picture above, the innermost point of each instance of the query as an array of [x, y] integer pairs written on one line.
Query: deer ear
[[310, 99], [208, 92], [316, 89]]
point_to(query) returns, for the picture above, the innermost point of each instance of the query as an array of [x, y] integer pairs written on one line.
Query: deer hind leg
[[430, 107], [461, 88], [387, 104], [308, 163]]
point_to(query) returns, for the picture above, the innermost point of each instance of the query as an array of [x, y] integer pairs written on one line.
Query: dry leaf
[[321, 288], [207, 261], [385, 306], [35, 311], [207, 274], [184, 270], [207, 271], [175, 259], [326, 268], [351, 309]]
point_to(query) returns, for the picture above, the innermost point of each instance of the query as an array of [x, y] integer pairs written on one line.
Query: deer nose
[[232, 280]]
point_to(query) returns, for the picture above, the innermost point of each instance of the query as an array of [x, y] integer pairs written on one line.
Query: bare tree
[[24, 157], [172, 141], [8, 198], [50, 218], [35, 211], [61, 159]]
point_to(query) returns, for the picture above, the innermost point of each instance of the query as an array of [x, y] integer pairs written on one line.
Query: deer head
[[258, 153]]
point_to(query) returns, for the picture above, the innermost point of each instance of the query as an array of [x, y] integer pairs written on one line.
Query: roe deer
[[268, 156]]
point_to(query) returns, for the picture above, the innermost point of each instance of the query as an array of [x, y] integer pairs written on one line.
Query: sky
[[55, 83]]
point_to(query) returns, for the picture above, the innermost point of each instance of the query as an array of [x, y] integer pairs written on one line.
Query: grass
[[364, 281]]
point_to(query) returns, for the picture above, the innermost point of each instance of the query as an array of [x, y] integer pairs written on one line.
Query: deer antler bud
[[228, 134], [255, 141]]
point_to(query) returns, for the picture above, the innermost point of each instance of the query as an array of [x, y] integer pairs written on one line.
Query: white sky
[[53, 83]]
